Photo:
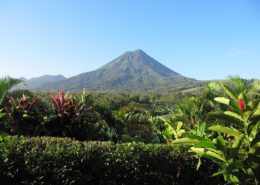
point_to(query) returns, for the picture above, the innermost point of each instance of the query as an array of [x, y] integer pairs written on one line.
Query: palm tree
[[6, 84]]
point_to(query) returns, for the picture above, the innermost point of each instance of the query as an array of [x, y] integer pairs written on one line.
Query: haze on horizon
[[199, 39]]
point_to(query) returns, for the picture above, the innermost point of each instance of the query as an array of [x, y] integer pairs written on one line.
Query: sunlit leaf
[[201, 127], [186, 141], [230, 92], [234, 115], [25, 116], [230, 131], [254, 131], [179, 125], [198, 164], [222, 100], [190, 140], [5, 85], [2, 114], [205, 152]]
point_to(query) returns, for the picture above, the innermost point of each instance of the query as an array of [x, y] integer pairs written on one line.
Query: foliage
[[172, 130], [220, 123], [5, 85], [235, 143], [48, 160], [137, 126], [75, 117], [192, 111], [25, 116], [2, 114]]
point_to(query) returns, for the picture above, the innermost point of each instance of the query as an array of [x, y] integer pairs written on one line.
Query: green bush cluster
[[46, 160]]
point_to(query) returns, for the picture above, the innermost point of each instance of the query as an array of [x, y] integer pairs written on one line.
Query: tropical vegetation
[[217, 128]]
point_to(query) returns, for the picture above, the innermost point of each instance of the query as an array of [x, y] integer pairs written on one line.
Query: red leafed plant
[[24, 116], [72, 118], [59, 103]]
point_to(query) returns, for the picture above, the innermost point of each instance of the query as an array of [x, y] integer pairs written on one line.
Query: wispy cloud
[[238, 52]]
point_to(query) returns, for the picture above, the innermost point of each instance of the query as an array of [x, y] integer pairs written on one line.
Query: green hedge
[[56, 161]]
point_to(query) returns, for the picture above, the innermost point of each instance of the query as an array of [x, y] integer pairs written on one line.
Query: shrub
[[46, 160], [234, 141], [24, 116], [74, 117]]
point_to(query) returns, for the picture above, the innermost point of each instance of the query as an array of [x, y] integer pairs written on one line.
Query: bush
[[46, 160]]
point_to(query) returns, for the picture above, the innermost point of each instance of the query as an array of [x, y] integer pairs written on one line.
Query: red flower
[[241, 104]]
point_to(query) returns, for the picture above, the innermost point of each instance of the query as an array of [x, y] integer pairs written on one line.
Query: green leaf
[[230, 92], [234, 115], [256, 139], [179, 125], [181, 132], [257, 111], [5, 85], [234, 105], [238, 142], [222, 100], [247, 115], [169, 130], [220, 143], [224, 117], [233, 179], [206, 144], [255, 149], [230, 131], [253, 105], [26, 116], [190, 140], [215, 87], [201, 127], [254, 131], [255, 117], [167, 133], [2, 114], [236, 145], [209, 153], [219, 173], [199, 164], [186, 141], [1, 139]]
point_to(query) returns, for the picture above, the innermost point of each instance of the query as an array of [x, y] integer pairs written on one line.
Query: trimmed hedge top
[[46, 160]]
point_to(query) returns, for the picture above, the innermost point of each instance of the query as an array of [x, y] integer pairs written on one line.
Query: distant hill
[[132, 71], [39, 82]]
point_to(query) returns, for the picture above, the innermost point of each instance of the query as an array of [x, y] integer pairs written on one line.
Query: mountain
[[39, 82], [132, 71]]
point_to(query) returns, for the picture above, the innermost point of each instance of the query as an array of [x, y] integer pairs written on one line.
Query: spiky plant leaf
[[5, 85], [230, 92]]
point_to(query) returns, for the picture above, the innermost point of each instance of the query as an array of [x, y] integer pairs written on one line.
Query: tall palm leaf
[[6, 84]]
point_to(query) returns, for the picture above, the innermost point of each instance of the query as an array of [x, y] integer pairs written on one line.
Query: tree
[[6, 84]]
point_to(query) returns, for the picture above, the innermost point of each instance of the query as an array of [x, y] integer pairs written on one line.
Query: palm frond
[[6, 84]]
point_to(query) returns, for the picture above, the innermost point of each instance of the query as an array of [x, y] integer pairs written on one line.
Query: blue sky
[[202, 39]]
